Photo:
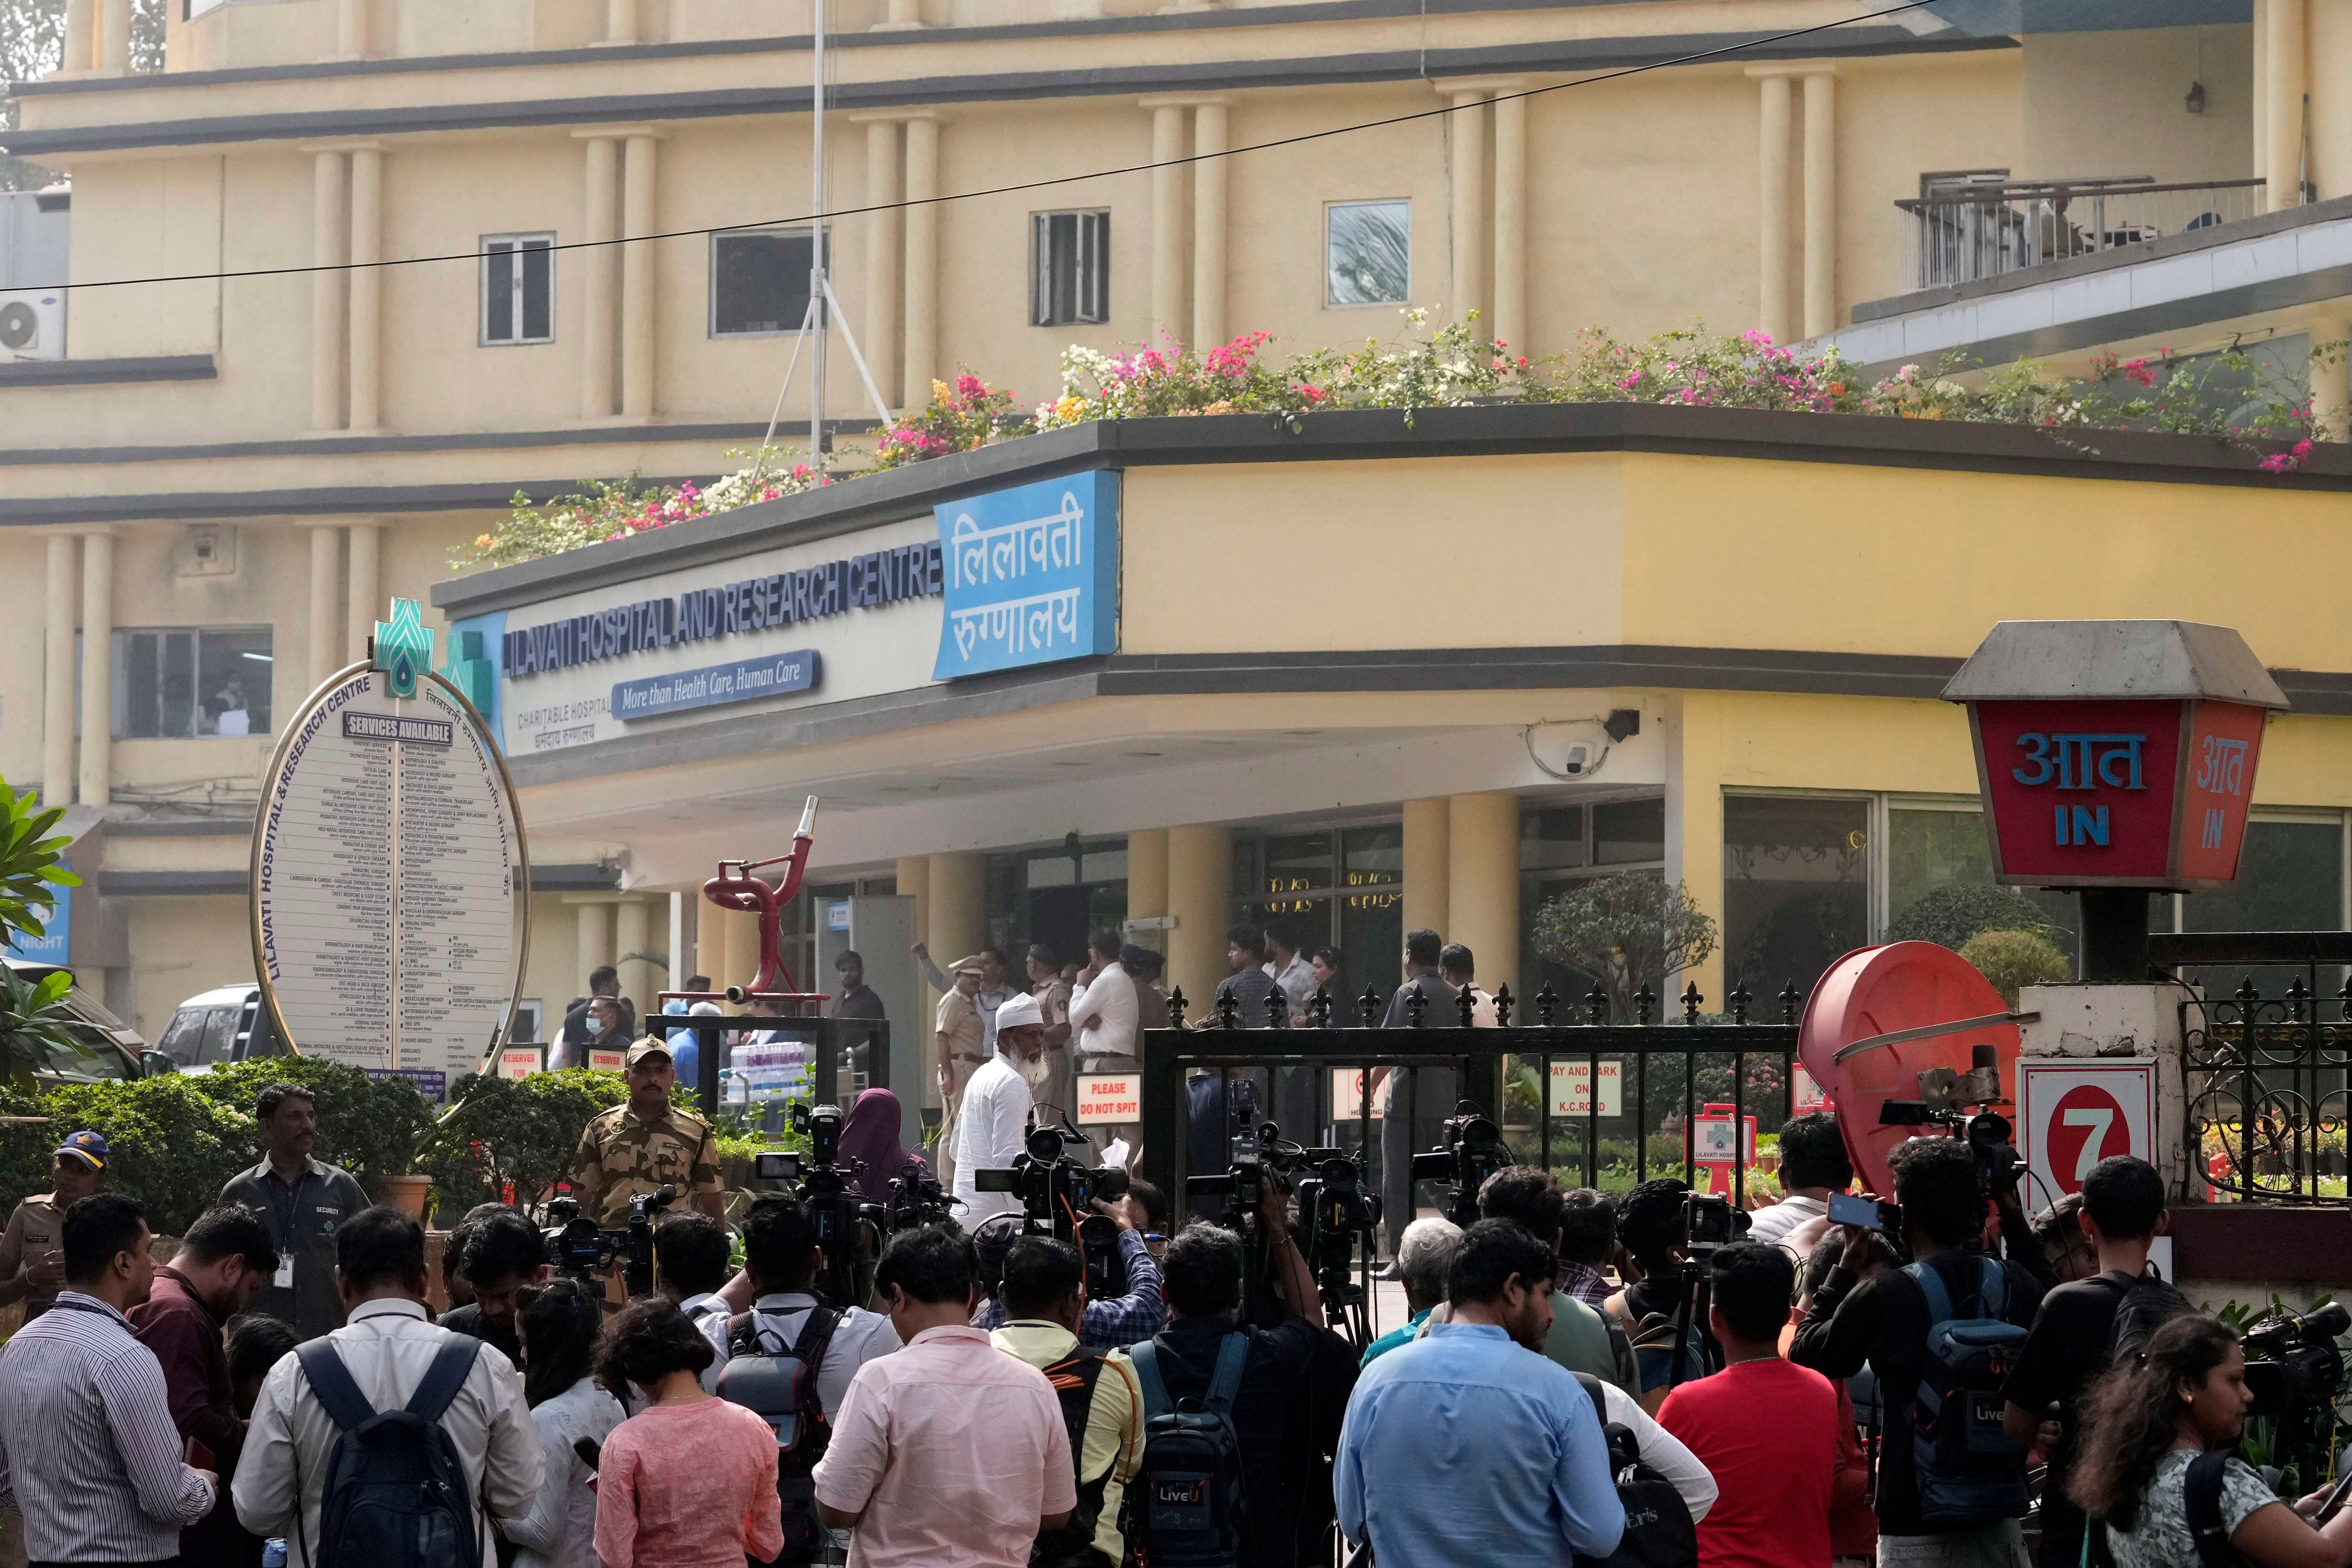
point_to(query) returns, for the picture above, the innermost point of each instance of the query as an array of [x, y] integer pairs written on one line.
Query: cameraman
[[690, 1257], [1650, 1224], [644, 1145], [504, 1257], [1884, 1321], [780, 1258], [1294, 1388], [1117, 1321]]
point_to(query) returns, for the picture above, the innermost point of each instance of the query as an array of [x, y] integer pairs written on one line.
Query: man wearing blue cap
[[32, 1262]]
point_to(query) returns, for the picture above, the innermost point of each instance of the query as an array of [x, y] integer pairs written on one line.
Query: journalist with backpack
[[371, 1447], [573, 1415], [1939, 1333], [2158, 1475], [2084, 1327], [689, 1481]]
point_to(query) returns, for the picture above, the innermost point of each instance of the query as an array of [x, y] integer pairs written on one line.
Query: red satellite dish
[[1898, 989]]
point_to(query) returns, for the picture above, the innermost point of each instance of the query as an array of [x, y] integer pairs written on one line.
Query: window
[[1069, 268], [1368, 253], [1796, 887], [1331, 888], [518, 289], [760, 282], [180, 682], [1563, 848]]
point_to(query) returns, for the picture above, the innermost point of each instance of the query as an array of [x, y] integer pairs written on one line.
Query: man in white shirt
[[1104, 1015], [1813, 1164], [692, 1251], [1291, 971], [994, 1120], [1460, 967], [782, 1256], [387, 1344]]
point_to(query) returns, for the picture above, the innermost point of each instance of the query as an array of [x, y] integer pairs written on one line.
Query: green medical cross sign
[[403, 646]]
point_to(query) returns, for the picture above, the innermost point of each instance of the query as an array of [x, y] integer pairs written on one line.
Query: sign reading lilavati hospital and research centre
[[996, 582]]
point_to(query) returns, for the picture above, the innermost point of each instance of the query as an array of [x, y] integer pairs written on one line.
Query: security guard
[[32, 1266], [644, 1144]]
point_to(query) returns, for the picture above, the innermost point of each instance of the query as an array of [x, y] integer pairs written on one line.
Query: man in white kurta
[[991, 1127]]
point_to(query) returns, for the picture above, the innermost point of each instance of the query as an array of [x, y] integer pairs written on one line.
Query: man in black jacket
[[1413, 1094]]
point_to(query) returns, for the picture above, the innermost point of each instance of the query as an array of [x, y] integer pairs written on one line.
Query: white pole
[[817, 289]]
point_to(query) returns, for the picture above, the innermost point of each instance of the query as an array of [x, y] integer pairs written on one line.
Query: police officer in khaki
[[32, 1262], [644, 1144]]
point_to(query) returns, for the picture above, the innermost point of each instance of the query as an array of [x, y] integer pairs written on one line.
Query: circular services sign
[[390, 881], [2085, 1126]]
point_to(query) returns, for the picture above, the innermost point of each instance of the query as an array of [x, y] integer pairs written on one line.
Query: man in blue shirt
[[1461, 1447]]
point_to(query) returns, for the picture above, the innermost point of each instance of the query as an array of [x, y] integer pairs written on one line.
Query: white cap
[[1018, 1011]]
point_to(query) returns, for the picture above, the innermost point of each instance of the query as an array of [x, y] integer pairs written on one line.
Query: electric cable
[[828, 216]]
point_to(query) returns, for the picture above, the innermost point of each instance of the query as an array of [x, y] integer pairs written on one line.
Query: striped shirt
[[88, 1455]]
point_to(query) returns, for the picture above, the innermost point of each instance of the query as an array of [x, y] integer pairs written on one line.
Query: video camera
[[1709, 1224], [837, 1208], [1057, 1196], [1335, 1212], [1943, 1096], [578, 1247], [1472, 1150], [2295, 1371]]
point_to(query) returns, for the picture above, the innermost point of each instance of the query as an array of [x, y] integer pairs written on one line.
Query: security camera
[[1580, 757]]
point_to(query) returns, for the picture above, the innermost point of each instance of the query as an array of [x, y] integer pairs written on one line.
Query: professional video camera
[[1057, 1196], [578, 1247], [916, 1199], [2295, 1371], [844, 1218], [574, 1246], [1472, 1150], [1709, 1224], [1943, 1096], [1336, 1214]]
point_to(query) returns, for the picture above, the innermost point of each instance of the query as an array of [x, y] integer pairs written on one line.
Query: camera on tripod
[[1943, 1096], [1709, 1224], [1335, 1213], [1057, 1196], [1472, 1150], [837, 1208], [2295, 1372]]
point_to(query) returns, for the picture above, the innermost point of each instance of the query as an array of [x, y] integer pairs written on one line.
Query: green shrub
[[2014, 958], [501, 1132], [369, 1128], [1950, 915]]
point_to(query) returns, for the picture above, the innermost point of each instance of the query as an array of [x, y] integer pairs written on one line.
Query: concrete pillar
[[1167, 220], [592, 941], [600, 294], [956, 921], [2262, 94], [366, 285], [1772, 207], [1821, 203], [364, 600], [58, 673], [329, 241], [884, 228], [710, 944], [326, 602], [1146, 874], [2331, 378], [97, 668], [1482, 897], [2283, 89], [81, 38], [902, 15], [1510, 318], [1428, 864], [114, 36], [915, 882], [1468, 127], [1209, 183], [620, 21], [637, 219], [740, 963], [632, 938], [2328, 69], [922, 312], [1695, 763], [1200, 896]]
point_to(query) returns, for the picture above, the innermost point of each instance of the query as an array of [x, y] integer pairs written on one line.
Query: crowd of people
[[1576, 1380]]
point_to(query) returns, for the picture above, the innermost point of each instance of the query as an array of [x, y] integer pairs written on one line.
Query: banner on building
[[1032, 575]]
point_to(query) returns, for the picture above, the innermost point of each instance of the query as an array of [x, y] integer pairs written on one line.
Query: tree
[[1629, 932], [33, 1017], [33, 44], [1951, 914]]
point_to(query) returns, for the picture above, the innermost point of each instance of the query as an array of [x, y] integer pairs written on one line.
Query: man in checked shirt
[[88, 1454]]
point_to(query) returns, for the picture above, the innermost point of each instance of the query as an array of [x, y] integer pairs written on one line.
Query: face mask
[[595, 1024]]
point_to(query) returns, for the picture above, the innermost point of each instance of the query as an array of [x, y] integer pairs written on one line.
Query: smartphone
[[1853, 1208]]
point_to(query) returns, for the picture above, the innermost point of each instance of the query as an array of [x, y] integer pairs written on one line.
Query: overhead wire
[[1697, 57]]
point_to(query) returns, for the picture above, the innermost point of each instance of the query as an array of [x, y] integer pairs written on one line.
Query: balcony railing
[[1961, 234]]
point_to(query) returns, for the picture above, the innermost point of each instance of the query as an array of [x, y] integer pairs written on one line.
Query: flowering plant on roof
[[962, 416]]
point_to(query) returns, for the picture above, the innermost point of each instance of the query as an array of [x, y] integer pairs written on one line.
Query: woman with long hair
[[2147, 1419], [559, 1329]]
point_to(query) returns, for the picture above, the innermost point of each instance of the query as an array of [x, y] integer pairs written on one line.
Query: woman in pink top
[[689, 1481]]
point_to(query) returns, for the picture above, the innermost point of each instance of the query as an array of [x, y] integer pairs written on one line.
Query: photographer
[[1120, 1320], [1294, 1386], [644, 1145], [1425, 1259], [690, 1259], [504, 1259], [781, 1258], [1650, 1224], [1885, 1323], [1813, 1165], [2076, 1334], [2145, 1426]]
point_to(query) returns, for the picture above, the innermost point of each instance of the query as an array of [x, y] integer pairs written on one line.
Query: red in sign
[[2085, 1126], [2225, 739]]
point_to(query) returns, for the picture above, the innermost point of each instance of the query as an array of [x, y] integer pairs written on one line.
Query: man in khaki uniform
[[32, 1260], [957, 1032], [644, 1145]]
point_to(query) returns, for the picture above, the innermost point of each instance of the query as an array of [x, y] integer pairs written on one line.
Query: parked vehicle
[[106, 1049], [227, 1024]]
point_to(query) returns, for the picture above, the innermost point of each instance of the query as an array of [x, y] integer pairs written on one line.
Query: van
[[227, 1024], [105, 1049]]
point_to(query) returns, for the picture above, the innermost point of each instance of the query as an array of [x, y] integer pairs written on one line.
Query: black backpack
[[779, 1388], [2143, 1305], [1189, 1486], [396, 1493], [1969, 1470], [1658, 1529], [2201, 1498], [1072, 1543]]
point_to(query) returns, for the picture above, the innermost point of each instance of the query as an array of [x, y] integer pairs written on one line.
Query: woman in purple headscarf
[[869, 1135]]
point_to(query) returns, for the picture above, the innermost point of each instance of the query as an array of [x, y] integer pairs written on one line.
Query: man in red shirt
[[1766, 1427], [223, 1263]]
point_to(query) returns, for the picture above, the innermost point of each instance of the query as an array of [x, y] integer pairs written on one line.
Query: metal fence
[[1960, 233]]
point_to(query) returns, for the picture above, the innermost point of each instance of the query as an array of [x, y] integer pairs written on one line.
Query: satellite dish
[[1898, 989]]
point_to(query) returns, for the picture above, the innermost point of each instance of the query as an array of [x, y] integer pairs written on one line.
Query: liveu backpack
[[1969, 1470], [779, 1388], [1188, 1493], [1658, 1529], [396, 1493]]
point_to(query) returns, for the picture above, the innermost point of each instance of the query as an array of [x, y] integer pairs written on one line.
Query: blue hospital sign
[[1032, 575]]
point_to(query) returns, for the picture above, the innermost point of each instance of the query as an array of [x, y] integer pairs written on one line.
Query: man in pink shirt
[[948, 1454]]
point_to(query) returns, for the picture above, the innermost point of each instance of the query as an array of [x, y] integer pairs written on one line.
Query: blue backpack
[[395, 1494], [1970, 1470], [1187, 1491]]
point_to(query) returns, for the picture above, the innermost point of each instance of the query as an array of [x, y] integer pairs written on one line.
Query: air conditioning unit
[[32, 324]]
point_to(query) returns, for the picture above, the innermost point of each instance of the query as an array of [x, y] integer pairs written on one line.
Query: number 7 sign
[[2072, 1113]]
